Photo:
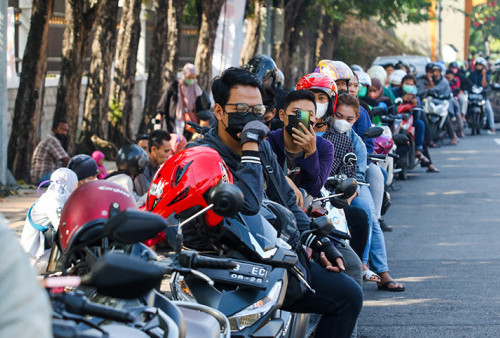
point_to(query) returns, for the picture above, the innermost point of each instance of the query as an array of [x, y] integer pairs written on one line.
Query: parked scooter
[[436, 108]]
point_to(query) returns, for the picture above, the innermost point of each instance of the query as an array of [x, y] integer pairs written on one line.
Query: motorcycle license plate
[[245, 273]]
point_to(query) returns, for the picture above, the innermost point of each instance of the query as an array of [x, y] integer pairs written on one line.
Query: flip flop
[[385, 287], [368, 274]]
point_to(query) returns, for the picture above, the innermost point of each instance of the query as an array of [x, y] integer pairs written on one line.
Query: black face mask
[[63, 139], [342, 91], [236, 122]]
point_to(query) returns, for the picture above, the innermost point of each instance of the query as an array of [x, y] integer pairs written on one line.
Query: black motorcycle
[[476, 110]]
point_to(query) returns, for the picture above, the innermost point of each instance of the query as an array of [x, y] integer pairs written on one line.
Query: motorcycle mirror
[[374, 132], [400, 140], [122, 276], [227, 199], [133, 226], [350, 159], [347, 187], [398, 101], [322, 226]]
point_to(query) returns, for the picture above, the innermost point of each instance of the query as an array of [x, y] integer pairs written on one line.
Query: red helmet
[[182, 183], [320, 82], [89, 205]]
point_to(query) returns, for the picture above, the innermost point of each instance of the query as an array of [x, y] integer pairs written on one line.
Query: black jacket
[[167, 105]]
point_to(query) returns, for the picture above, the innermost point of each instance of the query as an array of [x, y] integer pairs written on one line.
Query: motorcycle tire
[[403, 174]]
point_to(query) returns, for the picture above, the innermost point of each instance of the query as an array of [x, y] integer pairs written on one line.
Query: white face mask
[[321, 109], [342, 126]]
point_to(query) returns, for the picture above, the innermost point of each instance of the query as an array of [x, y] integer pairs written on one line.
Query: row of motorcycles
[[104, 282]]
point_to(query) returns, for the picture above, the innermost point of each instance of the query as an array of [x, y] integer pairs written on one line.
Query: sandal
[[424, 161], [368, 276], [433, 170], [385, 287]]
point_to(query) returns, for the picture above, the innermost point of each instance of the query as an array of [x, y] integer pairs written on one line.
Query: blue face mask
[[320, 133], [410, 89]]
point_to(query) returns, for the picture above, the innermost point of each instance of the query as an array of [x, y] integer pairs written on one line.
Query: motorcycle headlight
[[251, 314], [180, 289]]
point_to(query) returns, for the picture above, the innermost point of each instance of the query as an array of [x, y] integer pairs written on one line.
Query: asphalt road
[[444, 247]]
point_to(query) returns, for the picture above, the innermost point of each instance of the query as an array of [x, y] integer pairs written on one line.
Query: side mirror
[[495, 86], [133, 226], [347, 187], [374, 132], [322, 226], [350, 159], [398, 101], [400, 140], [122, 276], [227, 199]]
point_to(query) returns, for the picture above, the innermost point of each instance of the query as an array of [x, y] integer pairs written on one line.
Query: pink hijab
[[186, 100]]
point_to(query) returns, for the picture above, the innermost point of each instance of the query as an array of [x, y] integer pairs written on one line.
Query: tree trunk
[[29, 99], [175, 9], [328, 33], [122, 88], [79, 21], [253, 27], [204, 51], [95, 118], [156, 58], [287, 47]]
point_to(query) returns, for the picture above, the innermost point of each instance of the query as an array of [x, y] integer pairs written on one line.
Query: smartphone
[[304, 117]]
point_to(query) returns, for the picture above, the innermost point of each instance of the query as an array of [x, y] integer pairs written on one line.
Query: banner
[[229, 38]]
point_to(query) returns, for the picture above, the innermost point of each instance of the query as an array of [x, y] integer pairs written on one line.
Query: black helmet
[[264, 68], [429, 67], [453, 64], [84, 166], [400, 64], [132, 159]]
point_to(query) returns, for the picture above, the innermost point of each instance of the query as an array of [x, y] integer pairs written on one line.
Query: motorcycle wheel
[[403, 174]]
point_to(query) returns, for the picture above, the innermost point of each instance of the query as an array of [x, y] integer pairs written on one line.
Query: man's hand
[[306, 140], [298, 194], [349, 200], [337, 267], [254, 131]]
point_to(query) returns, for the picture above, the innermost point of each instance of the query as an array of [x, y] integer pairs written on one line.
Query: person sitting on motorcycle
[[130, 162], [408, 93], [302, 155], [440, 87], [43, 217], [376, 97], [480, 77], [344, 117], [395, 80], [84, 167], [379, 73], [389, 68], [159, 148], [238, 139], [454, 82], [465, 86]]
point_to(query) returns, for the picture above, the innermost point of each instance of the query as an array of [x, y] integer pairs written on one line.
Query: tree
[[122, 88], [29, 99], [253, 29], [95, 119], [164, 55], [80, 17], [204, 51]]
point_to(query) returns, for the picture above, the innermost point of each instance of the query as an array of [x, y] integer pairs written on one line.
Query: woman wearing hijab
[[43, 217], [178, 102], [376, 98]]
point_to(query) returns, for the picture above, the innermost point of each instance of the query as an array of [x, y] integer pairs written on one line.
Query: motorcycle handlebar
[[79, 304], [339, 234], [377, 156], [395, 156], [213, 263]]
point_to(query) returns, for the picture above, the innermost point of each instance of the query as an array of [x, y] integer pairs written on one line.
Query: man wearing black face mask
[[238, 139], [50, 153]]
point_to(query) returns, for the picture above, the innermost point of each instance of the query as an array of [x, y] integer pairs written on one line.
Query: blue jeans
[[375, 247], [489, 114]]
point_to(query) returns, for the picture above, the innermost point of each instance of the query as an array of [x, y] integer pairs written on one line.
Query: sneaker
[[490, 132], [383, 226]]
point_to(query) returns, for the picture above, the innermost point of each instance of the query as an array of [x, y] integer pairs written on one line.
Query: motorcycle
[[436, 108], [406, 146], [476, 109]]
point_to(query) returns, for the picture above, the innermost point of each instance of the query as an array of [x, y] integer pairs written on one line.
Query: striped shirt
[[47, 157]]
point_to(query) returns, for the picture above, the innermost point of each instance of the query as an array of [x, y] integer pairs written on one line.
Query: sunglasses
[[243, 108]]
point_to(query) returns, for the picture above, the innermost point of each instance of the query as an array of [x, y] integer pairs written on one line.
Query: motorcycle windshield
[[262, 231]]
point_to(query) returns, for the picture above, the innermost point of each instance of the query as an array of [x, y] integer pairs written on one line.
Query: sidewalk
[[15, 208]]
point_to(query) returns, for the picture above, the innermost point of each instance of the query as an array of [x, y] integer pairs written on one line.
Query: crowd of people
[[302, 135]]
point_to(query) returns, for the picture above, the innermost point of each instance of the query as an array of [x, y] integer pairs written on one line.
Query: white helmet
[[363, 78], [396, 77], [377, 72], [482, 61]]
